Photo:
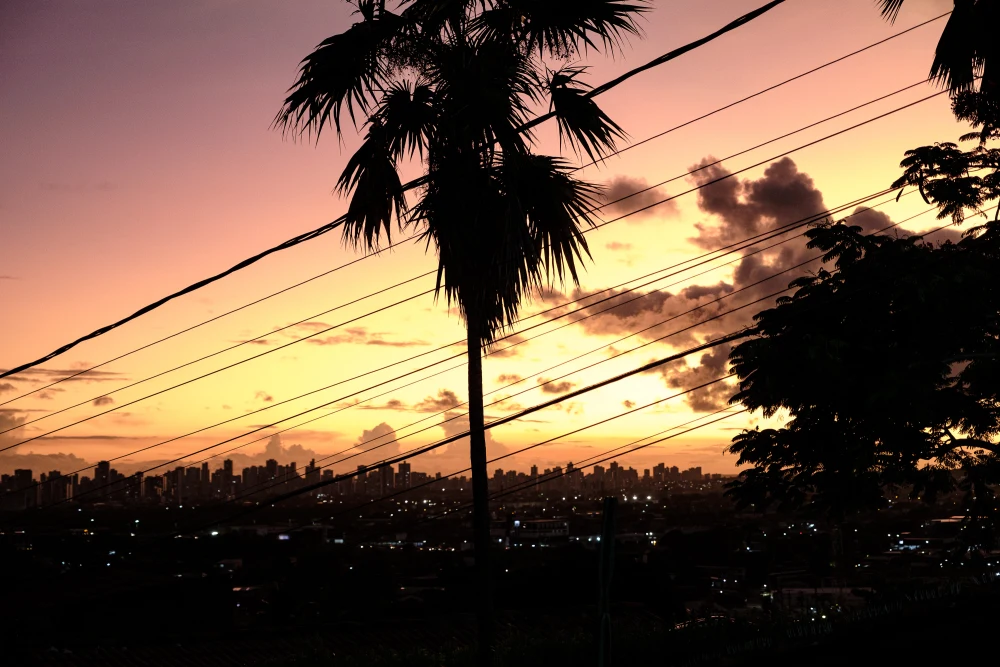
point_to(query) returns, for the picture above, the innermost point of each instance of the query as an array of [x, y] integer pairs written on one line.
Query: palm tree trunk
[[480, 494]]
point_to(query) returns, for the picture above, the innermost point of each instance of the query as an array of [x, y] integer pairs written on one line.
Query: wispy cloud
[[549, 387], [45, 375], [361, 336]]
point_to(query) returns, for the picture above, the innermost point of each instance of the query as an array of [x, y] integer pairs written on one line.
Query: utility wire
[[748, 242], [319, 231], [616, 152], [340, 478], [593, 210], [589, 462], [237, 345], [583, 464], [603, 224], [608, 204], [718, 316], [592, 314], [762, 92]]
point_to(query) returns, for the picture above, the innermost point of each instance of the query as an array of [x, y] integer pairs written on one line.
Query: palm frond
[[378, 193], [581, 122], [890, 9], [956, 60], [544, 196], [484, 91], [503, 230], [345, 69], [407, 116], [562, 27]]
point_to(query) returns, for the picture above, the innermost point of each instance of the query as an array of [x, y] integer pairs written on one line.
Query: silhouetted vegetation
[[887, 365]]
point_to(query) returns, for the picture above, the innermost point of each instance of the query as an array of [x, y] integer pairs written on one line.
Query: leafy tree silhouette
[[451, 83], [888, 366], [883, 365]]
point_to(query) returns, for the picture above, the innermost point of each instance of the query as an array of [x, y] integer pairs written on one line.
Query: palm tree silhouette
[[968, 46], [452, 83]]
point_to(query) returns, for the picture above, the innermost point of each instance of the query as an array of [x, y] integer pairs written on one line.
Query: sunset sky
[[137, 159]]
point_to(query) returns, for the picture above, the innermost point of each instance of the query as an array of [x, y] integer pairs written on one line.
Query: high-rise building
[[385, 479], [102, 477], [403, 476]]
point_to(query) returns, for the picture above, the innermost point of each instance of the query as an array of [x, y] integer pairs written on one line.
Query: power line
[[210, 373], [340, 478], [319, 231], [62, 410], [617, 152], [603, 224], [762, 92], [597, 363], [237, 345], [256, 430], [593, 314], [718, 316], [213, 319], [585, 463], [591, 461]]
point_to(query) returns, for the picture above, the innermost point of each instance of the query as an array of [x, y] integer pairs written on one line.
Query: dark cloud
[[9, 278], [696, 292], [445, 400], [623, 186], [549, 387], [872, 221], [361, 336], [103, 400], [264, 396], [6, 386], [615, 246], [509, 378], [746, 208], [712, 365]]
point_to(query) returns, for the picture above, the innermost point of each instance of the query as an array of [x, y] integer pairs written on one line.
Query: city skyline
[[200, 483]]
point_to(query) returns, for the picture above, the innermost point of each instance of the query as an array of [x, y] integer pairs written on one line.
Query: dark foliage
[[887, 369]]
